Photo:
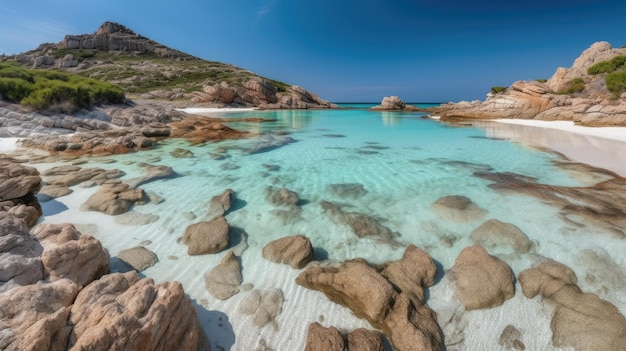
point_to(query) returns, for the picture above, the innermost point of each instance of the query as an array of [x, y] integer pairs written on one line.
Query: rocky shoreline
[[593, 106]]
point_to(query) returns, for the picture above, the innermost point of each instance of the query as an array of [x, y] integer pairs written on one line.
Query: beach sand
[[603, 147]]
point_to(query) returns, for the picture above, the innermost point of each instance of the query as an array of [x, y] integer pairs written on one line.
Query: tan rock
[[206, 237], [219, 204], [69, 255], [263, 305], [34, 317], [20, 263], [480, 280], [324, 339], [121, 311], [369, 295], [494, 233], [296, 251], [582, 321], [365, 340], [139, 258], [113, 198], [223, 281], [411, 274]]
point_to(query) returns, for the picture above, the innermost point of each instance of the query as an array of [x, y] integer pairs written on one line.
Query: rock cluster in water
[[56, 291]]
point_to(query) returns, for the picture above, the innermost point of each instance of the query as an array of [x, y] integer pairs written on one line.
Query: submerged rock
[[263, 305], [510, 339], [458, 208], [347, 190], [282, 197], [151, 173], [296, 251], [581, 320], [181, 153], [481, 280], [139, 258], [49, 192], [267, 142], [362, 225], [495, 233], [223, 281], [219, 204], [206, 237]]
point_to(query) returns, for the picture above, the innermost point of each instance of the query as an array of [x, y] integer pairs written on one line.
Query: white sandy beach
[[8, 145], [200, 110], [603, 147]]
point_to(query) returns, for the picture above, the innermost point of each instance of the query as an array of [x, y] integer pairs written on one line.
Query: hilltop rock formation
[[592, 104], [393, 103], [78, 53]]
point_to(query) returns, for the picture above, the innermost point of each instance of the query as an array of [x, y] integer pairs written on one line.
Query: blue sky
[[348, 50]]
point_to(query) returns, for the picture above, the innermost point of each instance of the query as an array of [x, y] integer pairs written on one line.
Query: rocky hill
[[146, 69], [590, 93]]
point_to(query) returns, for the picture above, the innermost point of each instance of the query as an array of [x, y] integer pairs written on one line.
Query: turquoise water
[[403, 162]]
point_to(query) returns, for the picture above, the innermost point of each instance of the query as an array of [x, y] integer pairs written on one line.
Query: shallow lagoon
[[404, 163]]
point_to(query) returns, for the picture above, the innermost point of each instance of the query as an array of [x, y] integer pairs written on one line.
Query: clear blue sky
[[348, 50]]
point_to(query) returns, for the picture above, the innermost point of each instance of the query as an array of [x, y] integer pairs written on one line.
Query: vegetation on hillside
[[615, 70], [609, 66], [46, 89], [497, 89], [573, 86], [142, 73]]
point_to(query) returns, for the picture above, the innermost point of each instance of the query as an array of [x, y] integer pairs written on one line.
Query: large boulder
[[393, 103], [122, 311], [370, 295], [581, 320], [481, 280], [206, 237], [295, 250]]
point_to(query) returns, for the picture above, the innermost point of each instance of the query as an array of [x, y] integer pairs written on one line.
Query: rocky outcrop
[[295, 250], [261, 93], [582, 321], [592, 105], [219, 204], [114, 198], [19, 185], [481, 280], [384, 302], [68, 254], [393, 103], [20, 261]]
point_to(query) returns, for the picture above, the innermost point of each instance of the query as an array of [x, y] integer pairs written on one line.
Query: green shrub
[[541, 80], [607, 66], [573, 86], [41, 89], [616, 82], [497, 89]]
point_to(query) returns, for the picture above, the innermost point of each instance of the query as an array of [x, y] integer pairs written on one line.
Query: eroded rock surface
[[114, 198], [20, 262], [320, 338]]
